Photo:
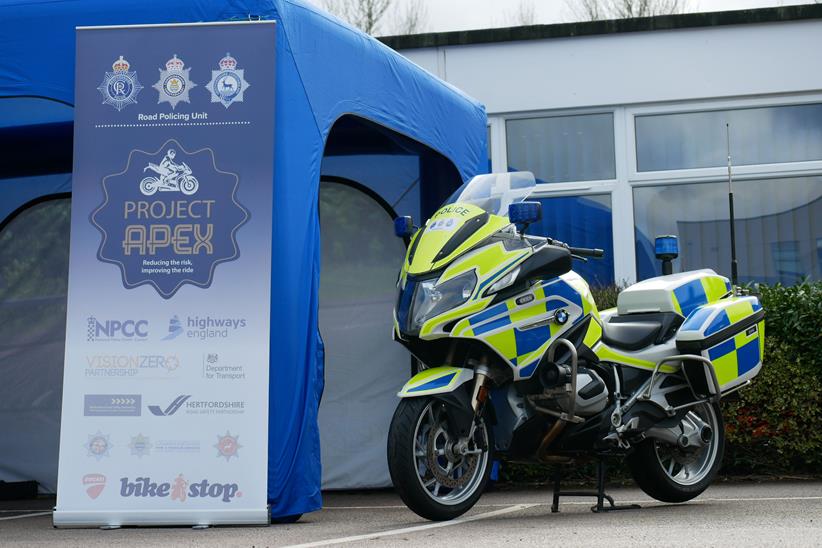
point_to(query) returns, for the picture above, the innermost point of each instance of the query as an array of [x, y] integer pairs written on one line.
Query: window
[[786, 261], [778, 223], [758, 136], [581, 221], [563, 148]]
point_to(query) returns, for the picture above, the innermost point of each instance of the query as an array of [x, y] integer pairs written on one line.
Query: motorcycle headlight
[[432, 299]]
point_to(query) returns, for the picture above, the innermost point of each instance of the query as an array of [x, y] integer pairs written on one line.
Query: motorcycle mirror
[[403, 227], [525, 213]]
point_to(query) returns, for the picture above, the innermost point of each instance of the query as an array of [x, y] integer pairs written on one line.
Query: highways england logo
[[204, 328]]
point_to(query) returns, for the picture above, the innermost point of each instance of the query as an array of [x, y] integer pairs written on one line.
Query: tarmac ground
[[728, 514]]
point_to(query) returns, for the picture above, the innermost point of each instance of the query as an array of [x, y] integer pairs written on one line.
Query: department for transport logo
[[227, 446], [119, 330], [198, 407], [228, 83], [214, 369], [120, 87], [94, 484], [174, 83], [98, 445], [112, 405]]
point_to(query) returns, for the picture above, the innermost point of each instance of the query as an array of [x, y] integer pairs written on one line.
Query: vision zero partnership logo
[[130, 365]]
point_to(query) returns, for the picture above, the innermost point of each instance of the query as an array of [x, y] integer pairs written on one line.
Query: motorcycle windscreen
[[364, 367]]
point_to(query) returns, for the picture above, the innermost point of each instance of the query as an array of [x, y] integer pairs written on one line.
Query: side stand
[[599, 494]]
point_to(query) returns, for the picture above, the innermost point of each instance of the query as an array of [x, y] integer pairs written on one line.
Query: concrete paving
[[735, 514]]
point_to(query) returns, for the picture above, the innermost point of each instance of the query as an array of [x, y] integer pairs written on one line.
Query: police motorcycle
[[515, 359]]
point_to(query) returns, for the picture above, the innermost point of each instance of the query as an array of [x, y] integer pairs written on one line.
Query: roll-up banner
[[165, 392]]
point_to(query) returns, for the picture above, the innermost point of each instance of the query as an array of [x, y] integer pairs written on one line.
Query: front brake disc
[[445, 478]]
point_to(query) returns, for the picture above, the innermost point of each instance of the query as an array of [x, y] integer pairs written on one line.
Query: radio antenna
[[734, 272]]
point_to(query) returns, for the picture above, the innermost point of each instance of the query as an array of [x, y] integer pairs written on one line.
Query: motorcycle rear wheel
[[669, 475], [431, 480]]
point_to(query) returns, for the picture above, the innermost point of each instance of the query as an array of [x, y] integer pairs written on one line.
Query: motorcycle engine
[[549, 388]]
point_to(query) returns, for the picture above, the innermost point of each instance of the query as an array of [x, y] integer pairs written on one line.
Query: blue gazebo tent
[[339, 94]]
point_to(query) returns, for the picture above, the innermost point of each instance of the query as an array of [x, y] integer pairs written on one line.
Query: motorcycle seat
[[636, 331]]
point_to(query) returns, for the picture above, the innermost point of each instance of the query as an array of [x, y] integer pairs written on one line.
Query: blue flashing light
[[525, 212], [403, 227], [666, 247]]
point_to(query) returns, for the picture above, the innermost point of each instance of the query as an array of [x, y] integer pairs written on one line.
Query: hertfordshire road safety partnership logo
[[120, 88], [227, 84], [169, 229], [174, 83]]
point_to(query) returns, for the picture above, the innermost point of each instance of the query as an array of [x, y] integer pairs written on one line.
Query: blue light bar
[[403, 227], [666, 247], [525, 212]]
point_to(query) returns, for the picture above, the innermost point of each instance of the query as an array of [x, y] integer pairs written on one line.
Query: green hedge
[[773, 427], [776, 425]]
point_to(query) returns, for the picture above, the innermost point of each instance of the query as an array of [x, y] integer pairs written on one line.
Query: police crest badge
[[120, 87], [228, 83], [174, 83]]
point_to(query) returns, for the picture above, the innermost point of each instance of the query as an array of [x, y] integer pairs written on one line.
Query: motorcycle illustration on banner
[[172, 177], [516, 359]]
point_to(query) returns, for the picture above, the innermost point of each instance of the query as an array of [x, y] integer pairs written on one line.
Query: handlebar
[[578, 251], [586, 251]]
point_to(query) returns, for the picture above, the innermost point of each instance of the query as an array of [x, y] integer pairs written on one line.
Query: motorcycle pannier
[[729, 332]]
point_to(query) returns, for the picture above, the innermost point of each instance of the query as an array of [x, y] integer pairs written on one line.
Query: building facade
[[626, 126]]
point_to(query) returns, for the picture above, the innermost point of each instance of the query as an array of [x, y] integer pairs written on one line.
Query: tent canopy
[[325, 70]]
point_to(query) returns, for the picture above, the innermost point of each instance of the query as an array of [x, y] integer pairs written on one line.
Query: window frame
[[707, 174]]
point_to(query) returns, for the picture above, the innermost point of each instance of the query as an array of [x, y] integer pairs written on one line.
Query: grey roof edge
[[615, 26]]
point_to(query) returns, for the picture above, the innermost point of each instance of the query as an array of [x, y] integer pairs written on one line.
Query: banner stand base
[[114, 519]]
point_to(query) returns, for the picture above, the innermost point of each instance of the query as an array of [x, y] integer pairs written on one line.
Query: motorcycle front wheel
[[189, 185], [671, 474], [432, 476]]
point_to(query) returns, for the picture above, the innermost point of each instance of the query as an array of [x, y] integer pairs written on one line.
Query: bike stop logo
[[179, 489], [169, 218]]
